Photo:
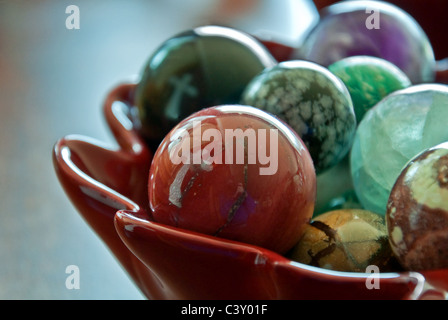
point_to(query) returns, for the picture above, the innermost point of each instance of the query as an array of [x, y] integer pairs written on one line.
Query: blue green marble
[[398, 128]]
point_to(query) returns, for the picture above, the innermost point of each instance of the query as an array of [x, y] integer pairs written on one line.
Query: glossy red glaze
[[109, 189], [280, 52], [223, 186], [442, 71]]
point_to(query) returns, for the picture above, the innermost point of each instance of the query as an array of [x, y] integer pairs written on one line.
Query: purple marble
[[373, 28]]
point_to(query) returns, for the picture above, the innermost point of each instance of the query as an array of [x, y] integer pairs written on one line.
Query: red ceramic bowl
[[109, 188]]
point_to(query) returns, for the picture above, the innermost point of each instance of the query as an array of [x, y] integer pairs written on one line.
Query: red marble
[[236, 200]]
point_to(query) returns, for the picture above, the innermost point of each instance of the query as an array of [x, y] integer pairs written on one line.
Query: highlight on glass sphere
[[235, 172]]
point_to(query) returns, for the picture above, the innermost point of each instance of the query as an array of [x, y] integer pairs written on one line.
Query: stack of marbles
[[398, 128], [368, 80], [373, 28], [364, 102]]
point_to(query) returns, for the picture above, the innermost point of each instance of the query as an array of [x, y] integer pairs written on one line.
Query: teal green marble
[[369, 80], [398, 128]]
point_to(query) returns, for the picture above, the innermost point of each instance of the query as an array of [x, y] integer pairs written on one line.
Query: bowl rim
[[133, 147]]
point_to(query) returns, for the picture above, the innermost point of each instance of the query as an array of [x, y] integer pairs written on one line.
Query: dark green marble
[[369, 80], [199, 68]]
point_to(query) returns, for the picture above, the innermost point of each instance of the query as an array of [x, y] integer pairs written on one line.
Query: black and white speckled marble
[[314, 102]]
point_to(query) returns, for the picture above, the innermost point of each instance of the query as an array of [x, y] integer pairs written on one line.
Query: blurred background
[[53, 82]]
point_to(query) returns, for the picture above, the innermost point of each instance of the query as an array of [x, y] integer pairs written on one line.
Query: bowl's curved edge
[[205, 267], [197, 266], [84, 168], [231, 270]]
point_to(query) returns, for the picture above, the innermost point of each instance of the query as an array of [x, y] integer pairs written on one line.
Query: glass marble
[[417, 211], [368, 79], [399, 127], [198, 68], [372, 28], [313, 101], [229, 198], [345, 240]]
